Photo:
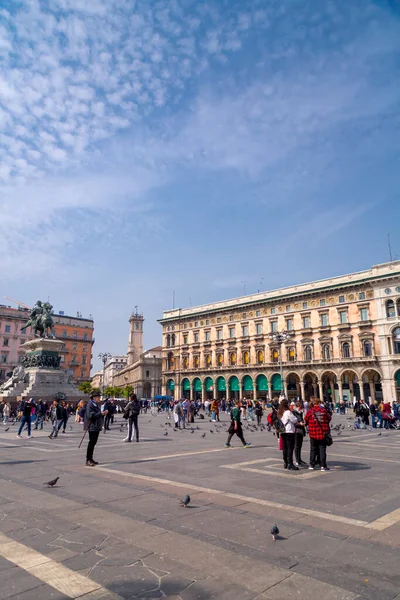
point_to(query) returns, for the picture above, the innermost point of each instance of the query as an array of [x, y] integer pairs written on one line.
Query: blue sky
[[187, 145]]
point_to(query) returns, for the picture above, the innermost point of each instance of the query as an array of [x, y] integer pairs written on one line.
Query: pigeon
[[192, 431], [7, 429], [211, 431], [274, 531], [185, 501], [339, 432], [51, 483], [204, 435], [380, 433], [70, 427], [166, 433]]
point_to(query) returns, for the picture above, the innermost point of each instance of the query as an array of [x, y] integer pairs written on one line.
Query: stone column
[[315, 387], [351, 387], [340, 386], [302, 391], [361, 386], [372, 390], [321, 390]]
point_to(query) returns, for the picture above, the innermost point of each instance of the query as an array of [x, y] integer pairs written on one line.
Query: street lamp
[[104, 357], [279, 337]]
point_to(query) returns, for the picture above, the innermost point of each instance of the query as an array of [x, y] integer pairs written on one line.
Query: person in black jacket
[[93, 425], [132, 411], [56, 417], [26, 407]]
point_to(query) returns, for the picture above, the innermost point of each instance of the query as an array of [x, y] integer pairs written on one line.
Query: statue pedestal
[[42, 377]]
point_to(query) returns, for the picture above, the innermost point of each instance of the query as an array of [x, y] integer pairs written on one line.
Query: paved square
[[117, 530]]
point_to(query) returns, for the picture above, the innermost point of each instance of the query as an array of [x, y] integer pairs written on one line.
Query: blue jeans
[[373, 420], [23, 421], [39, 421]]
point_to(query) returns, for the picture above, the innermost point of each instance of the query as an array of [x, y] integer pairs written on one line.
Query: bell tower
[[135, 344]]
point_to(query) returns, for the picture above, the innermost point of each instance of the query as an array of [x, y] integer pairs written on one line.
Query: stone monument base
[[41, 376]]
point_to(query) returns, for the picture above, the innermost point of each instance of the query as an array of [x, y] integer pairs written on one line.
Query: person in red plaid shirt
[[317, 420]]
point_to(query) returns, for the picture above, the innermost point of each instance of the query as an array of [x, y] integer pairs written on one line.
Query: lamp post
[[279, 337], [104, 356]]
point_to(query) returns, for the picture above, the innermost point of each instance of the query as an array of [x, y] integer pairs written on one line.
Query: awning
[[221, 384], [276, 383], [262, 383], [197, 385], [186, 385], [247, 383], [234, 384], [208, 383]]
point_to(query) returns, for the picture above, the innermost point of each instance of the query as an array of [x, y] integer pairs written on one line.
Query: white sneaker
[[296, 464], [126, 439], [19, 436], [29, 437]]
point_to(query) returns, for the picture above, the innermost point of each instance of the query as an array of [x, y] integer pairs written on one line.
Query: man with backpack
[[132, 411]]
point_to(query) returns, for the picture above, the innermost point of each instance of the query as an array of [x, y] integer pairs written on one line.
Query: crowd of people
[[291, 421]]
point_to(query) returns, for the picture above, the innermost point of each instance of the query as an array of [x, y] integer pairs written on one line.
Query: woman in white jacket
[[289, 422]]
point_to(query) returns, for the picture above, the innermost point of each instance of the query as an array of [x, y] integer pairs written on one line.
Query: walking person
[[64, 416], [317, 420], [6, 412], [93, 425], [236, 426], [132, 411], [56, 418], [259, 413], [289, 422], [40, 414], [26, 419], [300, 432]]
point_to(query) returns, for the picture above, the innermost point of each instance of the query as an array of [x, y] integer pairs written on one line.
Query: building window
[[390, 310], [185, 339], [306, 322], [364, 314], [196, 323], [84, 358], [64, 334], [84, 348], [173, 339], [195, 338], [196, 362], [341, 299], [273, 326], [4, 358], [260, 357], [168, 340], [219, 334], [244, 316], [185, 362], [305, 305], [5, 342], [291, 354], [324, 320], [20, 358], [185, 326], [396, 340], [75, 335], [367, 348], [346, 350], [246, 358], [207, 336], [219, 320], [259, 328], [231, 332], [208, 360], [289, 324], [245, 331], [232, 358], [7, 328], [288, 308], [231, 318], [74, 346], [308, 353], [2, 374], [220, 360], [171, 361], [361, 296], [207, 321], [83, 373], [258, 313], [326, 351], [343, 317], [322, 302], [85, 336], [275, 356]]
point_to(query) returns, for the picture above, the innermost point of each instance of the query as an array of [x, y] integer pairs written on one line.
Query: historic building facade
[[113, 366], [344, 341], [143, 369]]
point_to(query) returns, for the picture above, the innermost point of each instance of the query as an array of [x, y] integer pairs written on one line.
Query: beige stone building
[[344, 341], [97, 380], [113, 366], [143, 369]]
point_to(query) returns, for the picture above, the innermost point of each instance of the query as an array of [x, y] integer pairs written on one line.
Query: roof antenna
[[390, 248]]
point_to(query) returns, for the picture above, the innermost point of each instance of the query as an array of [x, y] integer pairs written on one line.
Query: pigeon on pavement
[[204, 435], [166, 433], [51, 483], [7, 429], [185, 501], [274, 531]]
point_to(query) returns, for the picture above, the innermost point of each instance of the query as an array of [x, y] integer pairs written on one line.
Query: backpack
[[276, 422]]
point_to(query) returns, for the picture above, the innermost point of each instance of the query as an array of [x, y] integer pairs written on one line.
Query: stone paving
[[117, 530]]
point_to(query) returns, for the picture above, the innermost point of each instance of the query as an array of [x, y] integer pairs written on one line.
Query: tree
[[85, 387], [109, 391], [128, 390]]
